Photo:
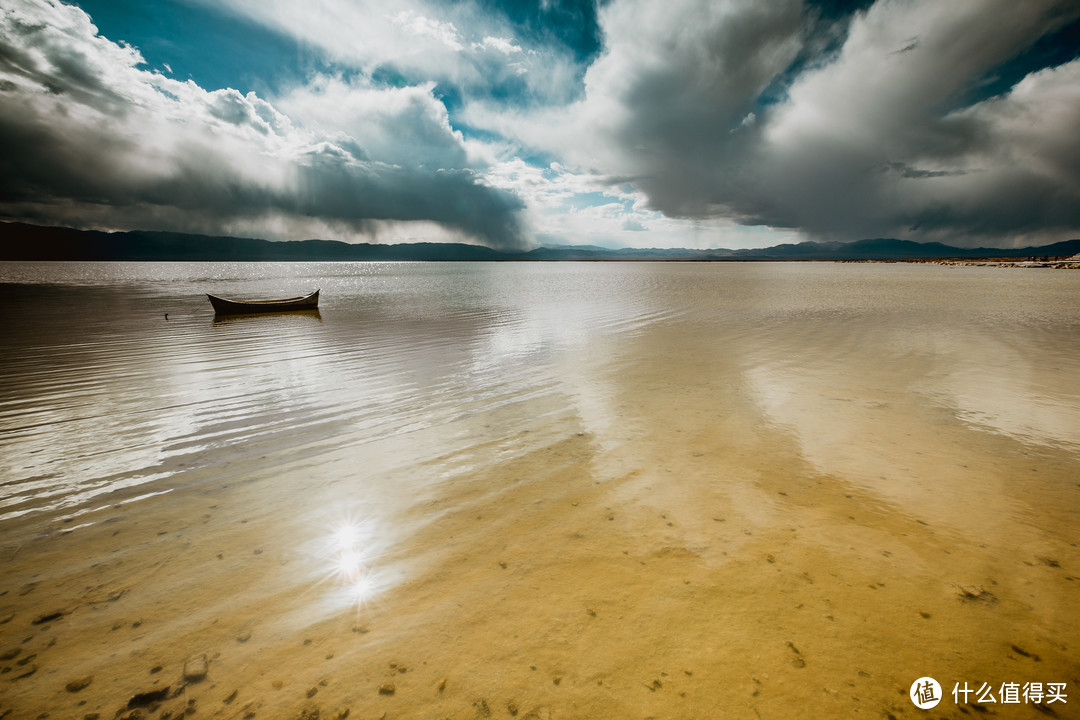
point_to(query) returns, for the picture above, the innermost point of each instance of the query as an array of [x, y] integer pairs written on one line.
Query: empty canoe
[[241, 307]]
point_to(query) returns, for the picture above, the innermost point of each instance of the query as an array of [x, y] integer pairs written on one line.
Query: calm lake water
[[713, 394], [99, 391]]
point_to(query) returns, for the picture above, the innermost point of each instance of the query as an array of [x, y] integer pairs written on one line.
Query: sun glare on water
[[351, 550]]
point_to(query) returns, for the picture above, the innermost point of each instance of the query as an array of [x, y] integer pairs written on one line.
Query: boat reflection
[[266, 317]]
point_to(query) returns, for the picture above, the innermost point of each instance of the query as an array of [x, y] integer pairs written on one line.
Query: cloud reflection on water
[[420, 377]]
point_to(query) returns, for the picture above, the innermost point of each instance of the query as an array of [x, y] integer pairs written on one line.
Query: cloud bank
[[626, 122], [870, 124], [90, 139]]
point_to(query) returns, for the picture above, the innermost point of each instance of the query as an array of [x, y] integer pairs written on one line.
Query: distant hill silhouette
[[19, 241]]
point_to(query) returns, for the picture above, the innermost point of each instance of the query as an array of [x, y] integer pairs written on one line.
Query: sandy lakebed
[[538, 491]]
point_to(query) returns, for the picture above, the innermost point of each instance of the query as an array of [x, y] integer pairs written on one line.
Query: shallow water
[[565, 490]]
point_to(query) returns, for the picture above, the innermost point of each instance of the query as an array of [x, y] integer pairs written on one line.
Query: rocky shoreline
[[1057, 263]]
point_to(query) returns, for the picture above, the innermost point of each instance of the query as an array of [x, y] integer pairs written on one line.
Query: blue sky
[[513, 123]]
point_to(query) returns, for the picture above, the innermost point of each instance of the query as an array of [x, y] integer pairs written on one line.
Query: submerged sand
[[678, 527]]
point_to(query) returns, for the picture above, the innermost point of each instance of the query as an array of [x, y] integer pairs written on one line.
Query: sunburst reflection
[[352, 552]]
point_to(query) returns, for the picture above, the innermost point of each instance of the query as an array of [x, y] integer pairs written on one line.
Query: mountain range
[[19, 241]]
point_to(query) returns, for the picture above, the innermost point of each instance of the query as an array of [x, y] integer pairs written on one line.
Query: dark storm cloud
[[842, 120], [86, 134], [689, 76], [330, 186], [997, 169]]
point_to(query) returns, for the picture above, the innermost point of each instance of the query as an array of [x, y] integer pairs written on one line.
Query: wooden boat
[[242, 307]]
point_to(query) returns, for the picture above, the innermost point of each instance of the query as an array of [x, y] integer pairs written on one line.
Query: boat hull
[[223, 306]]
